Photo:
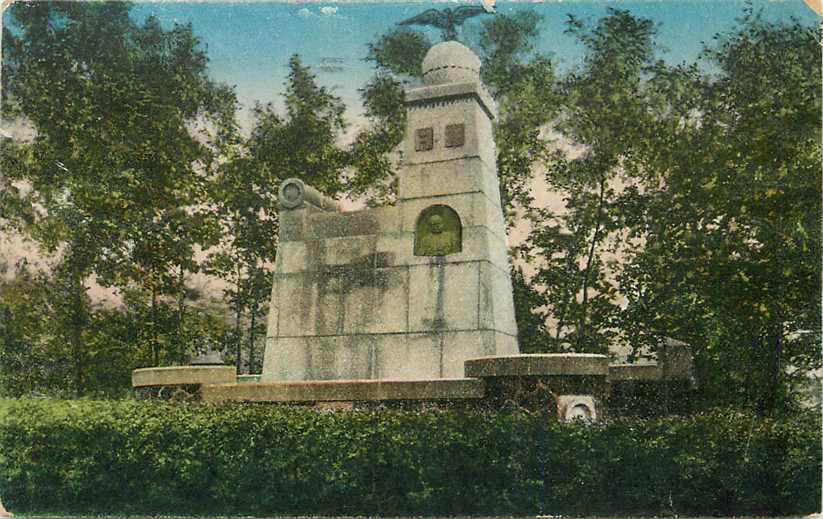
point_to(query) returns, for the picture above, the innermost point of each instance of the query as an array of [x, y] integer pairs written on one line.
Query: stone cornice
[[451, 92]]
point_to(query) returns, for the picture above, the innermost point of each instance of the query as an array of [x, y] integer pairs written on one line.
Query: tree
[[36, 356], [604, 113], [693, 200], [302, 143], [117, 178], [371, 155], [731, 261], [246, 207], [532, 333], [401, 51], [29, 358]]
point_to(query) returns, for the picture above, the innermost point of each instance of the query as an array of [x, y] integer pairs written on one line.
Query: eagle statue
[[448, 20]]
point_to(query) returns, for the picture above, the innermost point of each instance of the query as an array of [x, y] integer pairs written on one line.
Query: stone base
[[174, 392], [536, 382], [183, 376], [347, 391], [541, 383], [538, 364]]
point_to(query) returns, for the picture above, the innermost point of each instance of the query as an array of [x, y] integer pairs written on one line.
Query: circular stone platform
[[540, 364]]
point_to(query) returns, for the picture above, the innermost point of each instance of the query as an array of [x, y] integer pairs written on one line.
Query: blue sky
[[249, 43]]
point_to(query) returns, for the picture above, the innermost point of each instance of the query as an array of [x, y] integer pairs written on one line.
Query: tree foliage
[[732, 255], [115, 175], [691, 204]]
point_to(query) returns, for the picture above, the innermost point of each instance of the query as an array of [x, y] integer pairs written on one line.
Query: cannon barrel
[[294, 194]]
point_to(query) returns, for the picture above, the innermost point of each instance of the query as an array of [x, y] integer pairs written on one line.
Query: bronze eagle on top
[[448, 20]]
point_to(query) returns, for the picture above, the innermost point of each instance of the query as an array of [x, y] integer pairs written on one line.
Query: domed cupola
[[450, 62]]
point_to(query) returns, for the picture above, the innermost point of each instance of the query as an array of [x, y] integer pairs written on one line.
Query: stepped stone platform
[[491, 379], [347, 391]]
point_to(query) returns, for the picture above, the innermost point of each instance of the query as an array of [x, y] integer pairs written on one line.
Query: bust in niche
[[438, 232]]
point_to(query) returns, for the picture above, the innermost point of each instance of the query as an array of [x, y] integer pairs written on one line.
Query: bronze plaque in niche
[[438, 232], [424, 139], [455, 135]]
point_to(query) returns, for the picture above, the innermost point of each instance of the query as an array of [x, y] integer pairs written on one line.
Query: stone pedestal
[[539, 381]]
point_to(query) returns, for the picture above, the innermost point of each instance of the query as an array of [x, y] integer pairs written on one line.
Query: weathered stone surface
[[183, 375], [555, 364], [349, 251], [478, 244], [468, 175], [379, 303], [291, 257], [496, 302], [346, 391], [286, 358], [356, 295], [443, 296], [461, 345], [635, 372], [503, 344], [339, 357], [450, 62], [292, 225], [335, 225], [408, 357], [441, 112], [432, 94], [307, 304]]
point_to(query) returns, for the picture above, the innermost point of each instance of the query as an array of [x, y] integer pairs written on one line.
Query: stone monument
[[410, 291], [412, 303]]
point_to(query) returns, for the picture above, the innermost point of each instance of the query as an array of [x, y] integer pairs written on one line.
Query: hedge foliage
[[131, 457]]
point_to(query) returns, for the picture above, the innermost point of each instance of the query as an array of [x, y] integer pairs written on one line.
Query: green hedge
[[129, 457]]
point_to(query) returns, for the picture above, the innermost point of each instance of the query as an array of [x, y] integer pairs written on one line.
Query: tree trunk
[[253, 311], [581, 327], [771, 394], [155, 347], [238, 310], [181, 310], [76, 323]]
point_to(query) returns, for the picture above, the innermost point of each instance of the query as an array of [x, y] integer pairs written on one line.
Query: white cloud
[[304, 12], [328, 10]]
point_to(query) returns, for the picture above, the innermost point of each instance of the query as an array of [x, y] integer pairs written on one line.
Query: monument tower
[[410, 291]]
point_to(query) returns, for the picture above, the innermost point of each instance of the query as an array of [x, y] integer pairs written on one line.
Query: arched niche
[[438, 232]]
